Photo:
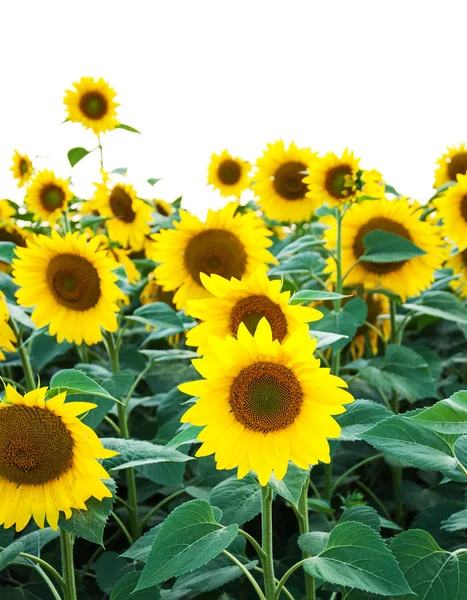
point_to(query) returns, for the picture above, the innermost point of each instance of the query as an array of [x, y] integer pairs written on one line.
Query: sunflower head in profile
[[378, 305], [333, 179], [452, 208], [129, 217], [405, 278], [47, 196], [227, 244], [48, 459], [22, 168], [71, 285], [458, 263], [450, 165], [280, 182], [246, 301], [7, 336], [10, 232], [163, 208], [91, 102], [263, 403], [229, 174]]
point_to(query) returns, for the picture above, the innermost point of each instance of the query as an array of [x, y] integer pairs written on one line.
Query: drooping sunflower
[[163, 208], [71, 285], [452, 208], [246, 301], [22, 168], [405, 278], [458, 263], [92, 103], [48, 196], [227, 244], [48, 459], [450, 165], [129, 217], [7, 336], [378, 305], [229, 174], [263, 403], [333, 179], [280, 182]]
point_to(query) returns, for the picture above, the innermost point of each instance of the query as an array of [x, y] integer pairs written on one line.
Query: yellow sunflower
[[129, 216], [405, 278], [92, 103], [458, 263], [227, 244], [378, 305], [6, 212], [163, 208], [71, 285], [22, 168], [48, 459], [48, 196], [263, 403], [280, 182], [246, 301], [452, 208], [333, 180], [451, 164], [373, 184], [7, 337], [10, 232], [120, 256], [229, 174]]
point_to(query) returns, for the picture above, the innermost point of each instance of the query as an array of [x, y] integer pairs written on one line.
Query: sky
[[386, 79]]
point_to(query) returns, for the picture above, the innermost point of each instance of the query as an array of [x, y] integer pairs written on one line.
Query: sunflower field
[[269, 402]]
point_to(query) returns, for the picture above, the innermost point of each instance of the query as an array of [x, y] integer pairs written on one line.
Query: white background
[[387, 79]]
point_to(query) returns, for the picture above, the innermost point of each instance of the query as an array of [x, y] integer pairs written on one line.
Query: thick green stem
[[304, 527], [68, 568], [268, 564], [392, 316], [24, 356]]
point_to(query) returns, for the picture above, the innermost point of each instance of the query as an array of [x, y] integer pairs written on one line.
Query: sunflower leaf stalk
[[24, 356], [267, 561], [304, 527], [68, 568]]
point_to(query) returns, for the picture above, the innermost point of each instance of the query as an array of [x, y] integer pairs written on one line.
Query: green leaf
[[299, 264], [313, 296], [138, 453], [77, 154], [290, 487], [362, 514], [188, 539], [126, 128], [313, 543], [90, 524], [442, 305], [356, 556], [345, 322], [45, 349], [446, 416], [359, 417], [31, 543], [157, 356], [239, 499], [159, 315], [412, 443], [118, 385], [385, 247], [188, 435], [120, 171], [7, 252], [124, 587], [107, 568], [141, 548], [456, 522], [154, 180], [19, 315], [72, 381]]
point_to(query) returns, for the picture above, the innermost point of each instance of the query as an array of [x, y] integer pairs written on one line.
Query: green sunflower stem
[[304, 527], [392, 315], [267, 561], [24, 356], [68, 567]]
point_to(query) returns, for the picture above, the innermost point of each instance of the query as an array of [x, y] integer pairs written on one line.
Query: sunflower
[[246, 301], [163, 208], [280, 182], [129, 217], [120, 256], [10, 232], [92, 103], [458, 263], [372, 184], [153, 292], [48, 459], [71, 285], [228, 174], [22, 168], [406, 278], [263, 403], [452, 208], [378, 304], [7, 336], [48, 196], [333, 180], [451, 164], [6, 212], [227, 244]]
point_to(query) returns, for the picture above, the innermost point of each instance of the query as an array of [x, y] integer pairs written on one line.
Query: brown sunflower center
[[122, 205], [35, 445], [229, 172], [386, 225], [339, 182], [288, 181], [266, 397], [457, 165], [252, 309], [73, 281], [11, 236], [52, 197], [93, 105], [23, 166], [463, 207], [215, 251]]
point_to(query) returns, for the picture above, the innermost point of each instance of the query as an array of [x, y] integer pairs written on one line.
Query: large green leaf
[[447, 416], [7, 252], [362, 514], [359, 417], [31, 543], [386, 247], [107, 568], [345, 322], [290, 487], [45, 349], [123, 589], [188, 435], [239, 499], [158, 314], [72, 381], [188, 539], [456, 522], [138, 453], [142, 547], [355, 556], [412, 443], [442, 305]]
